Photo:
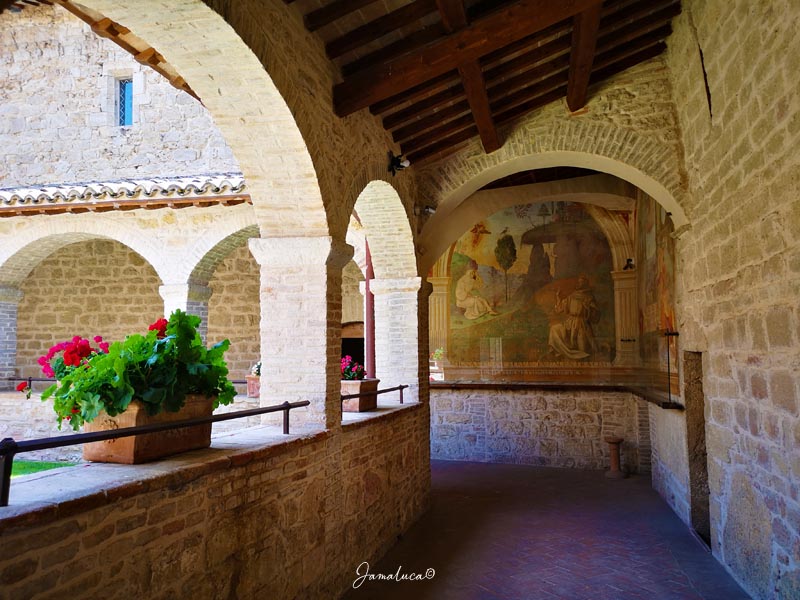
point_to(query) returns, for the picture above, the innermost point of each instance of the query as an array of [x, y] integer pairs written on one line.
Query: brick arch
[[244, 102], [26, 249], [387, 230], [211, 248], [645, 162]]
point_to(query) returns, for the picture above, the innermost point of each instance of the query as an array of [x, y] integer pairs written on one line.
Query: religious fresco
[[655, 249], [531, 286]]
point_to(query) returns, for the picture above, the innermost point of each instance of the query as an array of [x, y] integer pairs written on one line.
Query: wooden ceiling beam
[[331, 12], [482, 37], [585, 27], [444, 130], [454, 18], [475, 88], [416, 155], [379, 27], [411, 42], [414, 128]]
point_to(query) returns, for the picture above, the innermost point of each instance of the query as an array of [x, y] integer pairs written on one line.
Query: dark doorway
[[696, 440], [353, 341]]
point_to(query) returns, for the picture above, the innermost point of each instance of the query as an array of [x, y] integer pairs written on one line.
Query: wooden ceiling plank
[[331, 12], [434, 147], [541, 38], [444, 130], [532, 104], [528, 78], [416, 127], [475, 88], [411, 42], [505, 102], [638, 28], [453, 14], [390, 121], [454, 90], [485, 35], [379, 27], [553, 55], [585, 27]]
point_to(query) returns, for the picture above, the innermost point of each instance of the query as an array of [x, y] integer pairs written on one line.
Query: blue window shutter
[[125, 102]]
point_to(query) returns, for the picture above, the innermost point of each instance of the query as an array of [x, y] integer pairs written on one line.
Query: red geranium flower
[[22, 386], [160, 326]]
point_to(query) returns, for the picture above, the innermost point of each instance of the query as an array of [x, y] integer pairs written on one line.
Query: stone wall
[[244, 520], [739, 275], [57, 109], [534, 426]]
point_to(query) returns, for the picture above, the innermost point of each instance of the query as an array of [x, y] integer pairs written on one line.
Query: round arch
[[387, 230], [647, 163], [245, 104], [32, 245]]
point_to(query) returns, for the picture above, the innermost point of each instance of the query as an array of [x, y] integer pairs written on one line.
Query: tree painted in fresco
[[506, 254]]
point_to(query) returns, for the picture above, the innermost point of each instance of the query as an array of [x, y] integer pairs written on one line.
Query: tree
[[506, 254]]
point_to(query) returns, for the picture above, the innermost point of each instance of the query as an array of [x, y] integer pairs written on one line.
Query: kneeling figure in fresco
[[573, 338]]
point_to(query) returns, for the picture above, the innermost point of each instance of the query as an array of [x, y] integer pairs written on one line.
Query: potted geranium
[[166, 375], [354, 382], [254, 381]]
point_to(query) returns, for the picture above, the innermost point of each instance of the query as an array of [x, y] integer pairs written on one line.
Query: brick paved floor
[[510, 532]]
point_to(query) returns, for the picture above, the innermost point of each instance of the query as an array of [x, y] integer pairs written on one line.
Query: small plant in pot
[[167, 374], [254, 381], [354, 382]]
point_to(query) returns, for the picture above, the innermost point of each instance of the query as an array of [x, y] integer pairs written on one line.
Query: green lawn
[[26, 467]]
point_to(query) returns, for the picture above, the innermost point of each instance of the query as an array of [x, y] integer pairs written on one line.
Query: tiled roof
[[127, 193]]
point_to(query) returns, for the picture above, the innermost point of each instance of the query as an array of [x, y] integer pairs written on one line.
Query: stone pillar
[[10, 298], [301, 322], [189, 297], [397, 333], [439, 311], [626, 318]]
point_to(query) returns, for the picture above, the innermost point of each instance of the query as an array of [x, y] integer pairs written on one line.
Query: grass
[[26, 467]]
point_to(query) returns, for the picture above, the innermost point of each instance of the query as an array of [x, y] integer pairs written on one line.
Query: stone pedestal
[[613, 446]]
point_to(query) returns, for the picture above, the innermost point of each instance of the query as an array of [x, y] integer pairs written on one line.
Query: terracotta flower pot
[[253, 386], [357, 386], [150, 446]]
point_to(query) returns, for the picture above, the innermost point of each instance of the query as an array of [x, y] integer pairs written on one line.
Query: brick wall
[[57, 121], [87, 289], [234, 310], [534, 427], [286, 521], [740, 275]]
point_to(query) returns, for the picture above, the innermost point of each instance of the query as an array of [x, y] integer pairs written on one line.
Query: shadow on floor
[[512, 532]]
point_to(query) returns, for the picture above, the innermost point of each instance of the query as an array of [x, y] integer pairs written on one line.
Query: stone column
[[189, 297], [397, 333], [301, 322], [626, 318], [439, 311], [10, 298]]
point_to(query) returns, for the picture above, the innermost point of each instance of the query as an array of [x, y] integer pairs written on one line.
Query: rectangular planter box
[[253, 386], [356, 386], [150, 446]]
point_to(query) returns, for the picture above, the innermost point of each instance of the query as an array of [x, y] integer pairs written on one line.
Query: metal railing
[[9, 448], [376, 393]]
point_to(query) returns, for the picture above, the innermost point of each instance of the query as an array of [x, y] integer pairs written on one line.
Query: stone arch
[[652, 166], [387, 231], [244, 102], [212, 247], [33, 244]]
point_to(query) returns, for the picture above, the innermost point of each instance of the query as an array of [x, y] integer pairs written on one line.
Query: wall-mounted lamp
[[424, 210], [397, 163]]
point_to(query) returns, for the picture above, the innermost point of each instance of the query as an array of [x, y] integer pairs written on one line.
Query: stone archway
[[647, 163], [395, 286]]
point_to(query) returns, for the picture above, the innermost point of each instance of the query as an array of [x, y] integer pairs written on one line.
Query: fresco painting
[[531, 285], [656, 259]]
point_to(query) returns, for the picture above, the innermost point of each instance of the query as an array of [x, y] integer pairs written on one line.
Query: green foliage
[[506, 252], [26, 467], [158, 371]]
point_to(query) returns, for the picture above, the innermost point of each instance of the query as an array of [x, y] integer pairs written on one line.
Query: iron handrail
[[9, 448], [376, 393]]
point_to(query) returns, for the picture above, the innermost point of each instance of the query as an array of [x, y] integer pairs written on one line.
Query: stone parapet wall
[[243, 519], [534, 426]]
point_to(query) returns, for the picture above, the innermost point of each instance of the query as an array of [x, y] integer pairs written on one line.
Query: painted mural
[[656, 259], [530, 287]]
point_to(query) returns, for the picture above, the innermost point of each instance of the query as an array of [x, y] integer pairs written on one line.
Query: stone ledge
[[47, 496], [384, 411]]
